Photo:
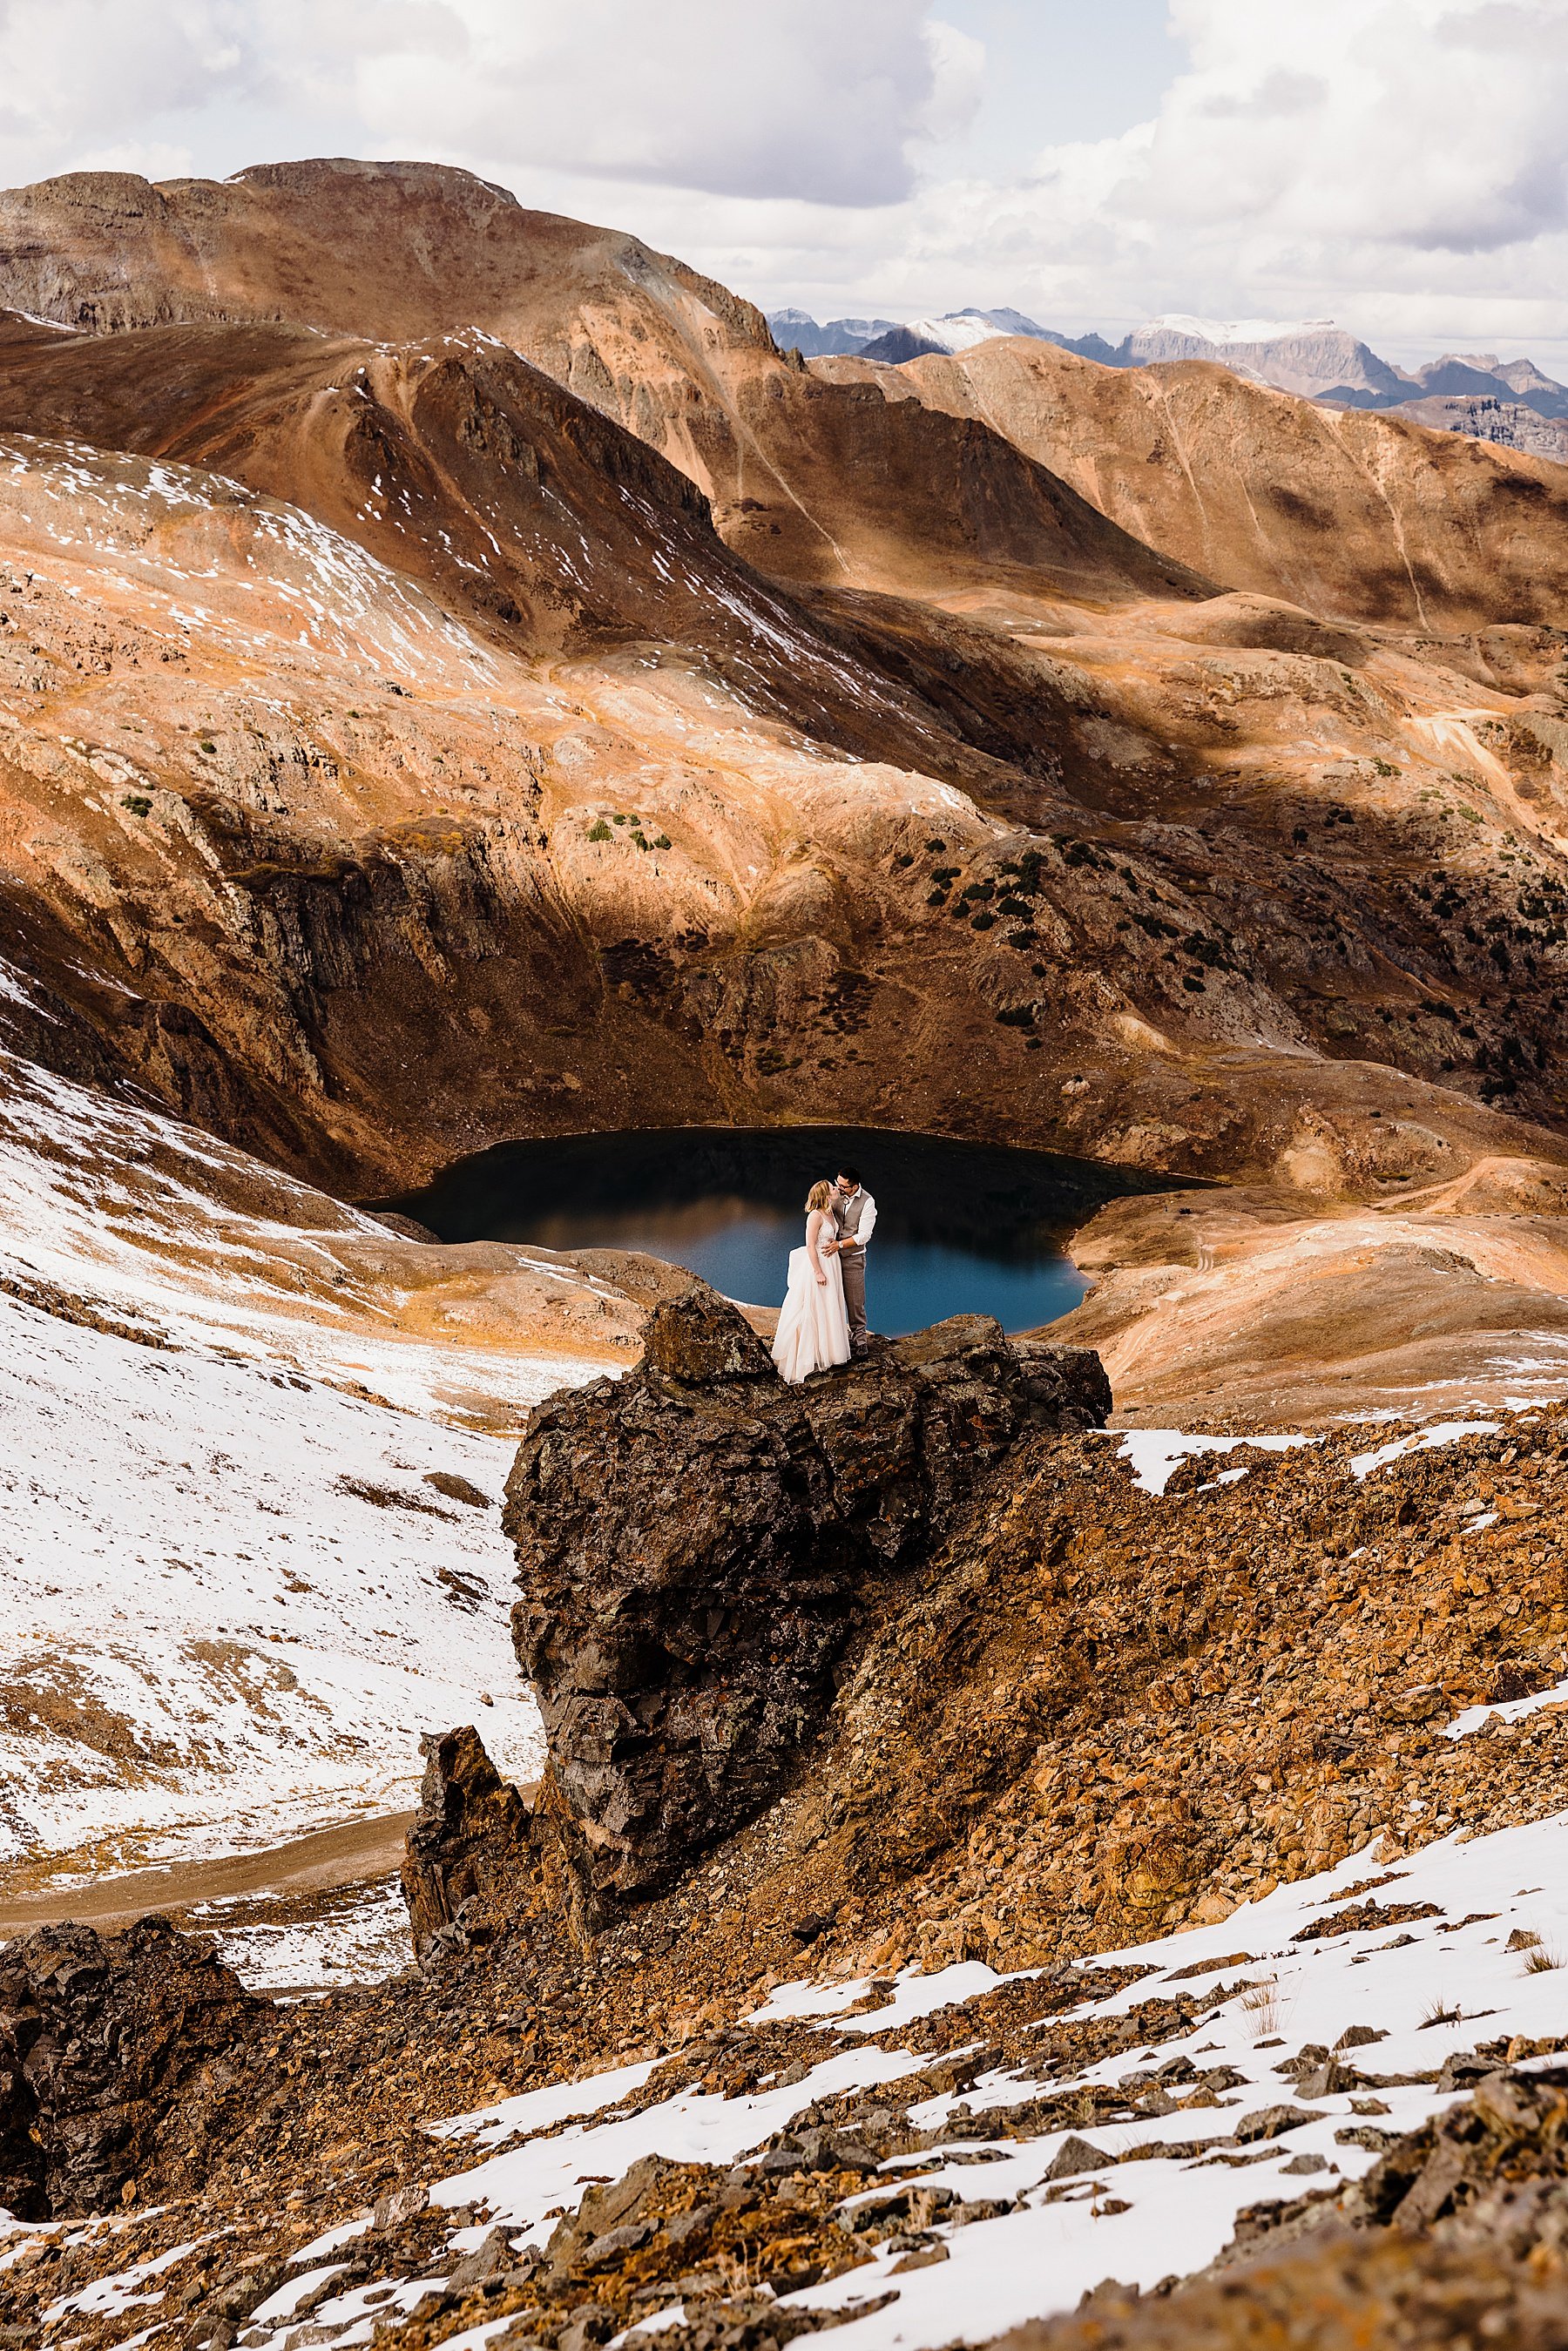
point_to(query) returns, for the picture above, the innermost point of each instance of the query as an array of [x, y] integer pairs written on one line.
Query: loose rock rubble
[[1458, 2234], [1088, 1714]]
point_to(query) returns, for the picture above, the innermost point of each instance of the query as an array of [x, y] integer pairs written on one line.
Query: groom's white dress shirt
[[862, 1208]]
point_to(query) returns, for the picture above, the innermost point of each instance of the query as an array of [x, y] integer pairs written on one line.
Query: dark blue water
[[962, 1229]]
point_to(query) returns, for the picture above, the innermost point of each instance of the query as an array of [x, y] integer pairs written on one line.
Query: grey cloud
[[1279, 93]]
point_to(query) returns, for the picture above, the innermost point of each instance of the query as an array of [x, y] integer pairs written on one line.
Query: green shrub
[[600, 831]]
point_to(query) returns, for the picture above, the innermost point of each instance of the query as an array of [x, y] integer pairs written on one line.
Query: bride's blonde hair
[[821, 1196]]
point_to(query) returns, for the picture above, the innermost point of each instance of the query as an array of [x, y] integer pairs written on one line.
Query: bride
[[813, 1325]]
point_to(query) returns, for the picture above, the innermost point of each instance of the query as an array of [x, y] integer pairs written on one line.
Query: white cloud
[[808, 99], [800, 97], [77, 75], [1430, 124], [1397, 163]]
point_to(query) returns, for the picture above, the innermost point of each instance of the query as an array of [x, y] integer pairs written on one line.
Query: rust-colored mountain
[[398, 758], [1347, 513], [808, 480], [457, 464], [1350, 514]]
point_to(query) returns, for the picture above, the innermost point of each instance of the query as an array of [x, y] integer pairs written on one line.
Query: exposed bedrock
[[694, 1544], [467, 1849], [112, 2055]]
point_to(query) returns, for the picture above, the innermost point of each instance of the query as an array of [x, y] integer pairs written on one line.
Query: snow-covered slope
[[1020, 2220], [139, 1216], [955, 330], [230, 1601]]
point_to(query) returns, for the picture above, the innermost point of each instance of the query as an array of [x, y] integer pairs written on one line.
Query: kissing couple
[[822, 1321]]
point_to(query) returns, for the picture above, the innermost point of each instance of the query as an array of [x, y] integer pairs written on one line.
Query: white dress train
[[813, 1323]]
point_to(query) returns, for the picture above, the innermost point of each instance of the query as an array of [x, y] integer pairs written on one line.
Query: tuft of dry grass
[[1542, 1960], [1262, 2006]]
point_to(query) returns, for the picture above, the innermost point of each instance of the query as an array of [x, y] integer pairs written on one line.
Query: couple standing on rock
[[822, 1321]]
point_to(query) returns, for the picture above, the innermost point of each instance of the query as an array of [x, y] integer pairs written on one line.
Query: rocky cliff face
[[695, 1548]]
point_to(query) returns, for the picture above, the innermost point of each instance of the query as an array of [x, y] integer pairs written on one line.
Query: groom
[[855, 1220]]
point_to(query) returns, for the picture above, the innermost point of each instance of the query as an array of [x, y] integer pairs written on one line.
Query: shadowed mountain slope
[[809, 481], [1352, 514], [461, 465]]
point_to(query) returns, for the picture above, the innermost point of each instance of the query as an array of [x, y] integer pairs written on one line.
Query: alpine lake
[[961, 1228]]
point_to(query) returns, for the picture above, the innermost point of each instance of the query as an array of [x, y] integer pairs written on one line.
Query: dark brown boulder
[[693, 1542], [699, 1338], [468, 1849], [111, 2050]]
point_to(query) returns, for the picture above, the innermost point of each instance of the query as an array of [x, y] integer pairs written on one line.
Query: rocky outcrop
[[468, 1848], [1491, 2170], [109, 2052], [695, 1543]]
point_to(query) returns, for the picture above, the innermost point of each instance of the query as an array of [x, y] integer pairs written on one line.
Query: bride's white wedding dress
[[813, 1325]]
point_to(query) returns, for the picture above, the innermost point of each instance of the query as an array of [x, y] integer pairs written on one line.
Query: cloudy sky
[[1399, 165]]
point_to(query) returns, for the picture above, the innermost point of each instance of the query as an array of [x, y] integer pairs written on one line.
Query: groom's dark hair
[[851, 1174]]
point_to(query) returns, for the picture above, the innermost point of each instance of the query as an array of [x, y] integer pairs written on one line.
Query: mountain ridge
[[1313, 357]]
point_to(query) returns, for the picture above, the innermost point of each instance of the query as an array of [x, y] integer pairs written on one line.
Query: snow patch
[[1427, 1999], [1442, 1432], [1154, 1453]]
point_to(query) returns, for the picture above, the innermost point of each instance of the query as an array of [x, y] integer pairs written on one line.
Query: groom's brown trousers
[[852, 1265]]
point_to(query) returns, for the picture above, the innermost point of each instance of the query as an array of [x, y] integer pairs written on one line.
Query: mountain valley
[[464, 679]]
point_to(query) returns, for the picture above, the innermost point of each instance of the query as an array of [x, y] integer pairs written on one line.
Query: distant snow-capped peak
[[1238, 331]]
